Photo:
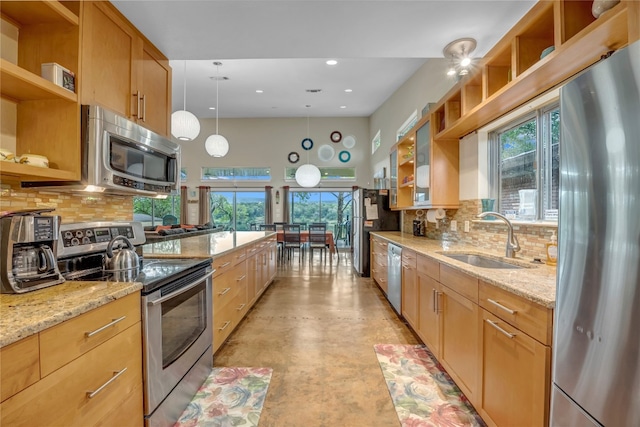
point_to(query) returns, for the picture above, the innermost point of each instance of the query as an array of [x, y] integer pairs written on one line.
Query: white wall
[[268, 142]]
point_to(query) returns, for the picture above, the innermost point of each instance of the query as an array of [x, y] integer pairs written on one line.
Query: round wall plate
[[336, 136], [293, 157], [349, 141], [326, 152], [344, 156], [307, 144]]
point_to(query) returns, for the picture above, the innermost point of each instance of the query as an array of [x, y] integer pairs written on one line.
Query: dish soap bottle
[[552, 250]]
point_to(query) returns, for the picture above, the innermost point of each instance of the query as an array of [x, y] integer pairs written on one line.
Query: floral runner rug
[[422, 392], [228, 397]]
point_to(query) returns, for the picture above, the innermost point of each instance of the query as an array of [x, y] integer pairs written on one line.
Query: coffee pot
[[418, 227]]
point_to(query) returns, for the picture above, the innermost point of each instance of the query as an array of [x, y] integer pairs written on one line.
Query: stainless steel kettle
[[125, 260]]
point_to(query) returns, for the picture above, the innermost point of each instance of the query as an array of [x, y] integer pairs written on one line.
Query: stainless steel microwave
[[121, 157]]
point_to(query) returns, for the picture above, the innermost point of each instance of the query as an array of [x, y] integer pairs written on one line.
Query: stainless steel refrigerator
[[370, 213], [596, 353]]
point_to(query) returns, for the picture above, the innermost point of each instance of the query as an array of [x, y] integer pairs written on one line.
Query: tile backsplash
[[485, 234], [71, 207]]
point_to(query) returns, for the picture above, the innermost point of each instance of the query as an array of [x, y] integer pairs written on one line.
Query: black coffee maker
[[418, 227]]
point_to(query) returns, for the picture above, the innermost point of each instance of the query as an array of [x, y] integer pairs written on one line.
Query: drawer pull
[[224, 291], [227, 323], [241, 307], [497, 304], [495, 325], [116, 374], [107, 326], [225, 264], [435, 301], [241, 256], [241, 278]]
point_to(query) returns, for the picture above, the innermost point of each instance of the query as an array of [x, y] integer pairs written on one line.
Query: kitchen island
[[491, 328]]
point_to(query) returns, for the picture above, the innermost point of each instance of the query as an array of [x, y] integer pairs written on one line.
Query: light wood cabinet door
[[154, 105], [109, 47], [19, 366], [252, 278], [460, 334], [516, 375], [410, 298], [429, 324]]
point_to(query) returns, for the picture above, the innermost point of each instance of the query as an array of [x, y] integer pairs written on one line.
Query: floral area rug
[[228, 397], [422, 392]]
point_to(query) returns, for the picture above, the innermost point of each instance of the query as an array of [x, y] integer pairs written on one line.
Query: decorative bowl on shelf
[[601, 6], [7, 156], [34, 160]]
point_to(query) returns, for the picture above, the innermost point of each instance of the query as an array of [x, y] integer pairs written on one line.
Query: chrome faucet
[[512, 241]]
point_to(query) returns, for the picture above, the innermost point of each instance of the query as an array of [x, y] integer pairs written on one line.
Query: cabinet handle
[[227, 323], [116, 374], [497, 304], [224, 291], [144, 108], [241, 256], [108, 325], [137, 95], [241, 307], [495, 325], [434, 298], [241, 278], [225, 264]]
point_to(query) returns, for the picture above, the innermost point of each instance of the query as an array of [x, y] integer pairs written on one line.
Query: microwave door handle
[[181, 290]]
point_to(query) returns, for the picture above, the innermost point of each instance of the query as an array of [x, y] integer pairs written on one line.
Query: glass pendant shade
[[216, 145], [308, 175], [184, 125]]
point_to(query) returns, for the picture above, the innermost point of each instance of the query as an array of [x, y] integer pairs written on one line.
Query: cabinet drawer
[[222, 264], [223, 324], [19, 366], [463, 284], [111, 371], [409, 259], [67, 341], [225, 286], [531, 318], [239, 256], [429, 267], [240, 304]]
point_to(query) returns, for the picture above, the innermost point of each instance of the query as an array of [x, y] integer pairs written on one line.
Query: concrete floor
[[315, 326]]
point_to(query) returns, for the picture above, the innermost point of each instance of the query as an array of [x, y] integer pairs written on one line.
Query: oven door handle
[[181, 290]]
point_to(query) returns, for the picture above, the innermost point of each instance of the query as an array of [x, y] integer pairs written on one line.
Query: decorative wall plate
[[349, 141], [344, 156], [307, 144], [293, 157], [336, 136], [326, 152]]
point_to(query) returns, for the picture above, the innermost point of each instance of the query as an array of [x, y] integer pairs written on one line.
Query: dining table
[[304, 238]]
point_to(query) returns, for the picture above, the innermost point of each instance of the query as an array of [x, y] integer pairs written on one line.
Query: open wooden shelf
[[22, 85], [38, 12], [406, 184], [35, 173], [408, 160]]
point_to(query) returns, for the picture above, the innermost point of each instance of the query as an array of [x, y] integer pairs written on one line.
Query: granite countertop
[[535, 282], [22, 315], [210, 245]]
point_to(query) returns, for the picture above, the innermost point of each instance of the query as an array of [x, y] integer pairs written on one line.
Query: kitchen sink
[[482, 261]]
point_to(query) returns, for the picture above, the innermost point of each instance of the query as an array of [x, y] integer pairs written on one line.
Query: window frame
[[290, 171], [232, 178]]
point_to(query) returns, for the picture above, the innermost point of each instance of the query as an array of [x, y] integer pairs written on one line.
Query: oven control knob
[[68, 235], [75, 242], [89, 233], [79, 234], [86, 240]]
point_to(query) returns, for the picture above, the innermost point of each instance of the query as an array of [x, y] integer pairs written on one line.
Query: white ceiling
[[281, 47]]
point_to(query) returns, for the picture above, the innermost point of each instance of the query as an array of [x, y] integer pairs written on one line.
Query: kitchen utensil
[[126, 259]]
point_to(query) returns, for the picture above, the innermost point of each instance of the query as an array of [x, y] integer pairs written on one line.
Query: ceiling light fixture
[[348, 90], [308, 175], [184, 125], [259, 91], [332, 62], [459, 53], [217, 145]]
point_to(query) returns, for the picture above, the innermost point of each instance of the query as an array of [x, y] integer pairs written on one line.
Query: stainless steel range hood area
[[120, 157]]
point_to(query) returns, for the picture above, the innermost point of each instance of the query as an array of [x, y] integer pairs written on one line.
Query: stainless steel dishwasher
[[394, 277]]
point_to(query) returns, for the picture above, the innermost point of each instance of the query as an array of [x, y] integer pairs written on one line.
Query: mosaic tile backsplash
[[70, 207], [485, 234]]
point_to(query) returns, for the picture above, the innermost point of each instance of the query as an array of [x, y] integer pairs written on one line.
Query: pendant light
[[308, 175], [184, 125], [217, 145]]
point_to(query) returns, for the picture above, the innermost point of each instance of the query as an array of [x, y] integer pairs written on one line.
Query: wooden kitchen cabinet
[[19, 366], [122, 71], [429, 323], [378, 261], [60, 396], [410, 296]]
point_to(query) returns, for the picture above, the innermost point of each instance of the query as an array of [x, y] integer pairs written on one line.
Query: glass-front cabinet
[[421, 193], [403, 155], [393, 179]]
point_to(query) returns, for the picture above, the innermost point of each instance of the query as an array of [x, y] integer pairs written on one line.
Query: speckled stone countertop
[[210, 245], [535, 282], [22, 315]]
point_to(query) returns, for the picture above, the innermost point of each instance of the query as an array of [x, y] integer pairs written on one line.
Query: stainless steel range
[[176, 307]]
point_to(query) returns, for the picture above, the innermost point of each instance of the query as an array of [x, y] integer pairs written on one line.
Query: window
[[331, 207], [407, 125], [524, 156], [236, 174], [152, 212], [326, 174], [375, 142], [237, 210]]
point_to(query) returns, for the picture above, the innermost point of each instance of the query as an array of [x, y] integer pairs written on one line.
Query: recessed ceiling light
[[313, 90], [348, 90], [212, 108], [343, 106], [332, 62], [259, 91]]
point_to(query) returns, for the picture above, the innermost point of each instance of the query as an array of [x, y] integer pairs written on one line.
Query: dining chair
[[253, 227], [302, 225], [267, 227], [318, 240], [292, 241]]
